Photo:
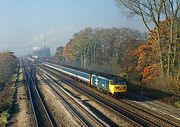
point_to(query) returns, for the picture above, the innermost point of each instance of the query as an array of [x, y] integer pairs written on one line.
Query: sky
[[28, 23]]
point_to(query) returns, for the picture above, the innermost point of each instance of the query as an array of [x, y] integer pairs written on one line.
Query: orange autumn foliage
[[148, 61], [149, 72]]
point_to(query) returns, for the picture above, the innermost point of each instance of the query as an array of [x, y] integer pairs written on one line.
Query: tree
[[148, 59], [153, 12], [171, 11], [112, 48], [147, 63], [8, 63], [59, 54]]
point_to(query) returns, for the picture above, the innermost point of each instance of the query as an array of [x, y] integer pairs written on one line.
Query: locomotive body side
[[109, 85], [100, 82]]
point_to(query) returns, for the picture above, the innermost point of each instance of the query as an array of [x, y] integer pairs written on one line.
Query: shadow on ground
[[142, 93]]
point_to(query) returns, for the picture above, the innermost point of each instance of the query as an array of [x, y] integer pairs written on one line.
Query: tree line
[[153, 58], [8, 65], [111, 50], [160, 56]]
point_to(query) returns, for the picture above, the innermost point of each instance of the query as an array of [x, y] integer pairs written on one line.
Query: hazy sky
[[24, 22]]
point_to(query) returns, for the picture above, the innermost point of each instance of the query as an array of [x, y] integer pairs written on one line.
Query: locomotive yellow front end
[[117, 87]]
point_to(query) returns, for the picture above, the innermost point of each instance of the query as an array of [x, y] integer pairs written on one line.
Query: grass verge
[[7, 101], [169, 97]]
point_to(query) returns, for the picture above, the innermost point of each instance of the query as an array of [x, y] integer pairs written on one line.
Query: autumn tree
[[153, 12], [148, 60], [171, 10], [114, 48]]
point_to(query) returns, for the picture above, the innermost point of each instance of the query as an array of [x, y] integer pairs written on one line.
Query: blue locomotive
[[105, 82]]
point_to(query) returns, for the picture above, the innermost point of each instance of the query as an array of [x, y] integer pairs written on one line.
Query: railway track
[[157, 116], [41, 114], [85, 116], [172, 118], [139, 116], [94, 98], [30, 95]]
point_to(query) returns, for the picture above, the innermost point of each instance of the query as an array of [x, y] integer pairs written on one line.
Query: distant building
[[41, 52]]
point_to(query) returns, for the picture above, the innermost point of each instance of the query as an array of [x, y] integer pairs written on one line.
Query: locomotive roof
[[108, 76]]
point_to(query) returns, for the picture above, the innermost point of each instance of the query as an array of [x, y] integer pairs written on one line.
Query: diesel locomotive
[[106, 82]]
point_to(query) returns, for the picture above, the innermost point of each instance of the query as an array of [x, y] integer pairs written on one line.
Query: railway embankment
[[7, 94], [22, 115], [169, 97]]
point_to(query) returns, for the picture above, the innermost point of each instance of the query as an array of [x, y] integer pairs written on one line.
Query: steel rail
[[154, 120], [40, 99], [74, 101]]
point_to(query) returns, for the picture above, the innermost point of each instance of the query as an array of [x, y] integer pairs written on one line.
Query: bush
[[4, 118]]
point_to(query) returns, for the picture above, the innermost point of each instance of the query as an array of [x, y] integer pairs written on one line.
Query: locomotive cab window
[[120, 82]]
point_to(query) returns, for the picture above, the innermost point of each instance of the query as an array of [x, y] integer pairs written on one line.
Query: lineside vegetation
[[8, 68], [150, 60]]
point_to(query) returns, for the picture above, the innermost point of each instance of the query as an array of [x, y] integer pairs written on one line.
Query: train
[[112, 84]]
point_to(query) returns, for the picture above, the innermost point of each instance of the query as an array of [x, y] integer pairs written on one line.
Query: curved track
[[86, 117], [139, 116]]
